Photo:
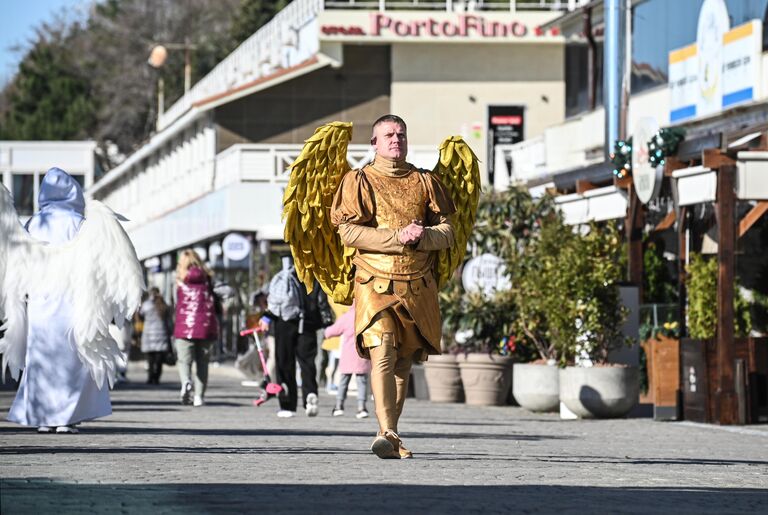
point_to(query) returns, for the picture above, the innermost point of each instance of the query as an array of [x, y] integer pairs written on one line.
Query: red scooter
[[268, 388]]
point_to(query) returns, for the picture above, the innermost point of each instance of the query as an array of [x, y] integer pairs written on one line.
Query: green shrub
[[702, 301]]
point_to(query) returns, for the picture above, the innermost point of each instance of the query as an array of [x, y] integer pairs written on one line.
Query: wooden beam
[[634, 232], [725, 209], [666, 222], [682, 252], [582, 186], [714, 158], [763, 143], [752, 217], [624, 182], [671, 164]]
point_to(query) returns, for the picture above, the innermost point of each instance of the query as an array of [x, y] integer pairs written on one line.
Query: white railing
[[457, 5], [276, 45], [259, 162], [529, 159]]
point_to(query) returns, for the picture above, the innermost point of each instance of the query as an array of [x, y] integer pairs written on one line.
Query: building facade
[[666, 41], [217, 164], [24, 163]]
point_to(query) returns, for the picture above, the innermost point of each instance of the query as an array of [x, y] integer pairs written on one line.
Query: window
[[24, 194], [577, 77], [660, 26], [80, 180]]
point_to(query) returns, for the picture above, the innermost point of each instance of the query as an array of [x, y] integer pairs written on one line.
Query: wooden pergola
[[712, 154]]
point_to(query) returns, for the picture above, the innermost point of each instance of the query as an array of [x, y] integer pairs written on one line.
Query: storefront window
[[23, 194], [660, 26]]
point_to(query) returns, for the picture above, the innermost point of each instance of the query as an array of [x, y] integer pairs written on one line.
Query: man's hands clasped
[[412, 233]]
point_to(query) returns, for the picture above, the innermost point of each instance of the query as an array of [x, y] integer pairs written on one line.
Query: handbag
[[169, 358]]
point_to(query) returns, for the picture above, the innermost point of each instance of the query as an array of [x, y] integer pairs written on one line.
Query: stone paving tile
[[153, 455]]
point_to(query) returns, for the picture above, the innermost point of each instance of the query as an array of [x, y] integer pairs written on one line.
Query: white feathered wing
[[97, 271]]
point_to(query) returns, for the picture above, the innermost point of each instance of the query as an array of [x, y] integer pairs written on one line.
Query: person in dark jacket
[[154, 337], [296, 339], [196, 326]]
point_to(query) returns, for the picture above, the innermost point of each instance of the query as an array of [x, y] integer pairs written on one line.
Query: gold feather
[[314, 178], [458, 170]]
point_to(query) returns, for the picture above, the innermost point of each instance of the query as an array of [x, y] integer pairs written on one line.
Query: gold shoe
[[404, 453], [386, 446]]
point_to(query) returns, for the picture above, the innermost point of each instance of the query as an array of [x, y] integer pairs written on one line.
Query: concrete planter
[[486, 379], [599, 392], [443, 378], [536, 387], [419, 383]]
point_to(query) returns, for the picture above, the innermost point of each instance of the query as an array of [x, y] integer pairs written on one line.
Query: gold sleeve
[[440, 201], [353, 201], [386, 241], [438, 233]]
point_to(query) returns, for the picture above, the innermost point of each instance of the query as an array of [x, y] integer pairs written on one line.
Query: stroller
[[268, 388]]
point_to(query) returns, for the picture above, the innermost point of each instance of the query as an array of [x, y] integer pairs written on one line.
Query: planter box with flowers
[[661, 345]]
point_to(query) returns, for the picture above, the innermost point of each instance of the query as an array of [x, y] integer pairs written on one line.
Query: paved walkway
[[155, 456]]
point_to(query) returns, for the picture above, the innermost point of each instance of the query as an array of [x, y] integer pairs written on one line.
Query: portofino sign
[[463, 26]]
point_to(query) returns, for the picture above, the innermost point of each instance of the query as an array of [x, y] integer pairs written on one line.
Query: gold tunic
[[370, 208]]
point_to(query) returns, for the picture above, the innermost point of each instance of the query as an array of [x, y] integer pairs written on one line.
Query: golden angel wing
[[315, 244], [459, 172]]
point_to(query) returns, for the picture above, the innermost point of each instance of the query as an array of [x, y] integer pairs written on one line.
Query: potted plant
[[483, 335], [540, 280], [699, 351], [478, 319], [661, 380], [587, 324], [659, 333], [442, 371]]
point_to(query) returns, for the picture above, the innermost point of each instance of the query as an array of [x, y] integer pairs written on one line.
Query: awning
[[596, 173], [241, 207], [596, 205]]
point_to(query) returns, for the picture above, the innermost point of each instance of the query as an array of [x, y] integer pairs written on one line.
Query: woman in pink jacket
[[196, 326], [350, 363]]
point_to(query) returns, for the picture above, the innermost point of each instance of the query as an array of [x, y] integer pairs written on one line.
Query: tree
[[49, 98], [251, 16], [119, 38], [90, 79]]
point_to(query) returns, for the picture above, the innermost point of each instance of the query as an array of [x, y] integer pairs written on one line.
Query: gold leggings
[[391, 348]]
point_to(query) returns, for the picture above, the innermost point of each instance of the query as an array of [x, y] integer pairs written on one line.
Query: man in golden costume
[[396, 217], [382, 234]]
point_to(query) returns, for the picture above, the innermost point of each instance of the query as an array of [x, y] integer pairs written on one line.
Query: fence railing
[[456, 5], [261, 162]]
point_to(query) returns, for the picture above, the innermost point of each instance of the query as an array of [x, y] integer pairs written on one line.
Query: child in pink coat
[[350, 363]]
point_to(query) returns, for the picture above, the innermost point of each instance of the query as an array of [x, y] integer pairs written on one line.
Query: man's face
[[390, 140]]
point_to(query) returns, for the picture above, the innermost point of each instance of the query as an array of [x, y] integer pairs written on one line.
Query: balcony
[[257, 162], [456, 5], [291, 40]]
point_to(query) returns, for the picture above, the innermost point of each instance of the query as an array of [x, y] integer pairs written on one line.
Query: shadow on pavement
[[648, 461], [41, 494], [126, 430]]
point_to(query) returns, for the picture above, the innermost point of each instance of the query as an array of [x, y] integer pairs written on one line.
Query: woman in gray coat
[[154, 338]]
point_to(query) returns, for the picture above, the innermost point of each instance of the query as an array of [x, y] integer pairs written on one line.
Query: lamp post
[[157, 57]]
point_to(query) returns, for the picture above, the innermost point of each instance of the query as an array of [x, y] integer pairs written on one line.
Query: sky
[[18, 20]]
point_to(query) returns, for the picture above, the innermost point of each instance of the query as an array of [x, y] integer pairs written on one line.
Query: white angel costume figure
[[62, 281]]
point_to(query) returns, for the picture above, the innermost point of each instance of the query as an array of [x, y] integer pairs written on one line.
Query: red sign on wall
[[464, 26]]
